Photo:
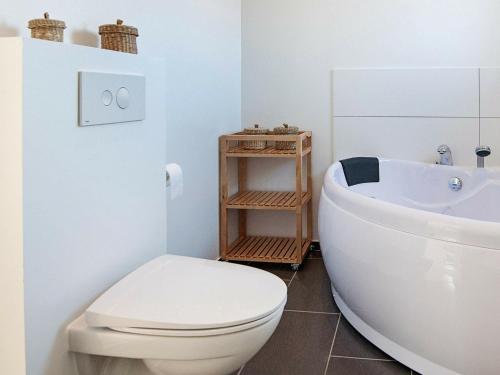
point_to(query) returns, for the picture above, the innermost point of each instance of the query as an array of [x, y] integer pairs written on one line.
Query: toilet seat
[[103, 341], [199, 332], [181, 296]]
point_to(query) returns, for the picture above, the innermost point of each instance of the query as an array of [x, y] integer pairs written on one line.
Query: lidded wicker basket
[[46, 28], [119, 37], [255, 145], [285, 129]]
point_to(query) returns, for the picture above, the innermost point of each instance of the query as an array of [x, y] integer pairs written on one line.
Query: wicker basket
[[119, 37], [45, 28], [285, 130], [255, 145]]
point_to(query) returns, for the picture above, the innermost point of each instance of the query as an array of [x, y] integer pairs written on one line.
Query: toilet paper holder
[[174, 180]]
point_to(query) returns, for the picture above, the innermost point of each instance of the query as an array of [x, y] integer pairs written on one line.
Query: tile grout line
[[312, 312], [364, 359], [333, 342], [293, 277], [393, 116]]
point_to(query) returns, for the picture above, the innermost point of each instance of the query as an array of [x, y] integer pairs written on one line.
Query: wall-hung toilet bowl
[[179, 315]]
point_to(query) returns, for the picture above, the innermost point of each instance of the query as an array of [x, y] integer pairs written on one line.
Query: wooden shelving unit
[[265, 249]]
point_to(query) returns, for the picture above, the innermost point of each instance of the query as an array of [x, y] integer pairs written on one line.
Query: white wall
[[93, 198], [201, 43], [12, 346], [290, 47]]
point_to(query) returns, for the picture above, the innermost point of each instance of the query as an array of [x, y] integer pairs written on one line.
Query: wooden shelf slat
[[268, 152], [266, 249], [266, 200], [242, 136]]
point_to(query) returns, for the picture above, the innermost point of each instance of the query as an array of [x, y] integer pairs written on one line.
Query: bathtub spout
[[482, 152]]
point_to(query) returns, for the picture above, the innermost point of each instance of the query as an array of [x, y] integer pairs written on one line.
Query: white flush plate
[[106, 98]]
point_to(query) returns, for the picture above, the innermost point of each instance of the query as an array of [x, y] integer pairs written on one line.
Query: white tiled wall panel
[[432, 92], [490, 92], [490, 135], [406, 138]]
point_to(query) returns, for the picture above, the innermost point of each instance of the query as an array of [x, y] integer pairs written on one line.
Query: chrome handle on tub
[[445, 157], [455, 183]]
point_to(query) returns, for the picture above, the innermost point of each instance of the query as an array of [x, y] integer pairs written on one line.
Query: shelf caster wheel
[[295, 267]]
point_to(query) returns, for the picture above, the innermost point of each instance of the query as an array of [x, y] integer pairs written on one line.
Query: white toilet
[[179, 315]]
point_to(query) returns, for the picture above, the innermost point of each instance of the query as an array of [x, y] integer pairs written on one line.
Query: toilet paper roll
[[174, 180]]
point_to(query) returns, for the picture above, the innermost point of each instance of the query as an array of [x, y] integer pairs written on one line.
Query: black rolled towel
[[361, 170]]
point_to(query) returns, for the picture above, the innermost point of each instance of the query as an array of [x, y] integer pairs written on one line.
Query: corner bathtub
[[415, 266]]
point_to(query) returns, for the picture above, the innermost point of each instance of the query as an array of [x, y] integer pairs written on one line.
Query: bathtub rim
[[433, 225]]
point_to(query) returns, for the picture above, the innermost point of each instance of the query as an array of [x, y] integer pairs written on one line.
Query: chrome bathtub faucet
[[482, 152], [445, 157]]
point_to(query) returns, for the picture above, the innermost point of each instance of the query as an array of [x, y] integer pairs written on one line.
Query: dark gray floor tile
[[310, 289], [349, 366], [283, 271], [300, 345], [315, 254], [350, 343]]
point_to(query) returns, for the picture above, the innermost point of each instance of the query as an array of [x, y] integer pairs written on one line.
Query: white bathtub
[[415, 266]]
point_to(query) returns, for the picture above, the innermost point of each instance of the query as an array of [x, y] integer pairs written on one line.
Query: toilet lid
[[173, 292]]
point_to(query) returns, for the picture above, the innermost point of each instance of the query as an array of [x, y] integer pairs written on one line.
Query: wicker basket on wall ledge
[[255, 145], [119, 37], [45, 28], [285, 130]]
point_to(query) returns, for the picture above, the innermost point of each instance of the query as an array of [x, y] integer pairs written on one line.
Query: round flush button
[[107, 97], [122, 98]]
